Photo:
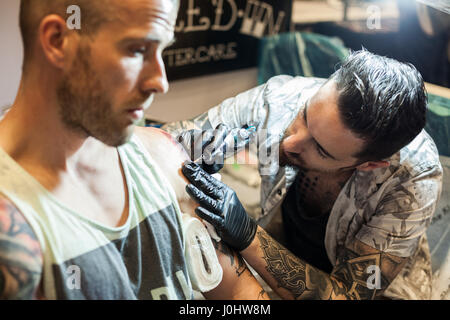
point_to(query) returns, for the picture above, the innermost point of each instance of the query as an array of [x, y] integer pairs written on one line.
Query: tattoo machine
[[237, 139]]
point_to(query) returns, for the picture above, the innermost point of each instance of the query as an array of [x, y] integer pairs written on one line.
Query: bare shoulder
[[20, 254], [168, 154], [161, 143]]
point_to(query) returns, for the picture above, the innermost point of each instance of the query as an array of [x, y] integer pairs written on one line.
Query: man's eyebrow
[[148, 40], [323, 150], [305, 110]]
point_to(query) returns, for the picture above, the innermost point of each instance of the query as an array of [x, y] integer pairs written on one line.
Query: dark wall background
[[403, 40]]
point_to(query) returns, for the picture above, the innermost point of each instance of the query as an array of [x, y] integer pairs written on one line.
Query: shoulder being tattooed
[[20, 255], [360, 274]]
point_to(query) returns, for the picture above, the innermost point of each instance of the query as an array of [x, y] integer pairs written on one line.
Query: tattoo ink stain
[[287, 269], [241, 267], [166, 134], [205, 262], [261, 294]]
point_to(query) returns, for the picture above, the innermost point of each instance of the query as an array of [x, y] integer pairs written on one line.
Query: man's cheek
[[127, 73]]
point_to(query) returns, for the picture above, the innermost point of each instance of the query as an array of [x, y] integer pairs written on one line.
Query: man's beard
[[85, 107]]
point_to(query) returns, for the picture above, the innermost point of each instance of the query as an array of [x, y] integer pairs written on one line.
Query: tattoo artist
[[355, 181]]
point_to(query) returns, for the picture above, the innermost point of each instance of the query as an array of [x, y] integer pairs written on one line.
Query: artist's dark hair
[[382, 101]]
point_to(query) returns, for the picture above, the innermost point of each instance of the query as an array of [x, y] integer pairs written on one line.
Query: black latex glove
[[205, 143], [220, 206]]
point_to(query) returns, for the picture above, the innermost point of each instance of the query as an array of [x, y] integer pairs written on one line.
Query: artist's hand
[[205, 143], [220, 206]]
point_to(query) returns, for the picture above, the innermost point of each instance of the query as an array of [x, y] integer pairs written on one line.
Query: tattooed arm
[[361, 272], [20, 255], [237, 282]]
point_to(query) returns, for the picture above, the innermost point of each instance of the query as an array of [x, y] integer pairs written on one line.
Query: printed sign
[[221, 35]]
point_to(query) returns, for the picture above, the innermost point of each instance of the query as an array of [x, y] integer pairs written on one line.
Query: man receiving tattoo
[[355, 182]]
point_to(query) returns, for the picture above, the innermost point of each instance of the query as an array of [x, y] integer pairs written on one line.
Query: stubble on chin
[[85, 107]]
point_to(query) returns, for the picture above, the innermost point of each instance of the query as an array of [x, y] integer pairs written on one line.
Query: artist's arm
[[361, 272], [238, 282], [20, 255]]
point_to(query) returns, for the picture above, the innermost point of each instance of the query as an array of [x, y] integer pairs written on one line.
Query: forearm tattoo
[[287, 269], [261, 295], [20, 255], [350, 278], [236, 260]]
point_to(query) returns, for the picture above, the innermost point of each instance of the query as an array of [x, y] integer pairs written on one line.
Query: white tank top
[[143, 259]]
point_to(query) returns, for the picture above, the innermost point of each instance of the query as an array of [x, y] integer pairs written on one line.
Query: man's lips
[[136, 113], [136, 109]]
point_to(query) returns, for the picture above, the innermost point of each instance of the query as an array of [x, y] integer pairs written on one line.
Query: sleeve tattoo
[[236, 260], [240, 268], [20, 255], [356, 276]]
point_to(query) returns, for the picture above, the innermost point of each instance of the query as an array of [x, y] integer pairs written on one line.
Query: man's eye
[[138, 50], [320, 152]]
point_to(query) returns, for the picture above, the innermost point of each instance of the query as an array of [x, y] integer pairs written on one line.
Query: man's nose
[[296, 143], [155, 79]]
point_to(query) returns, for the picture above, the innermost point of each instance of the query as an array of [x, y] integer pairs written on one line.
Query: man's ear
[[372, 165], [53, 37]]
